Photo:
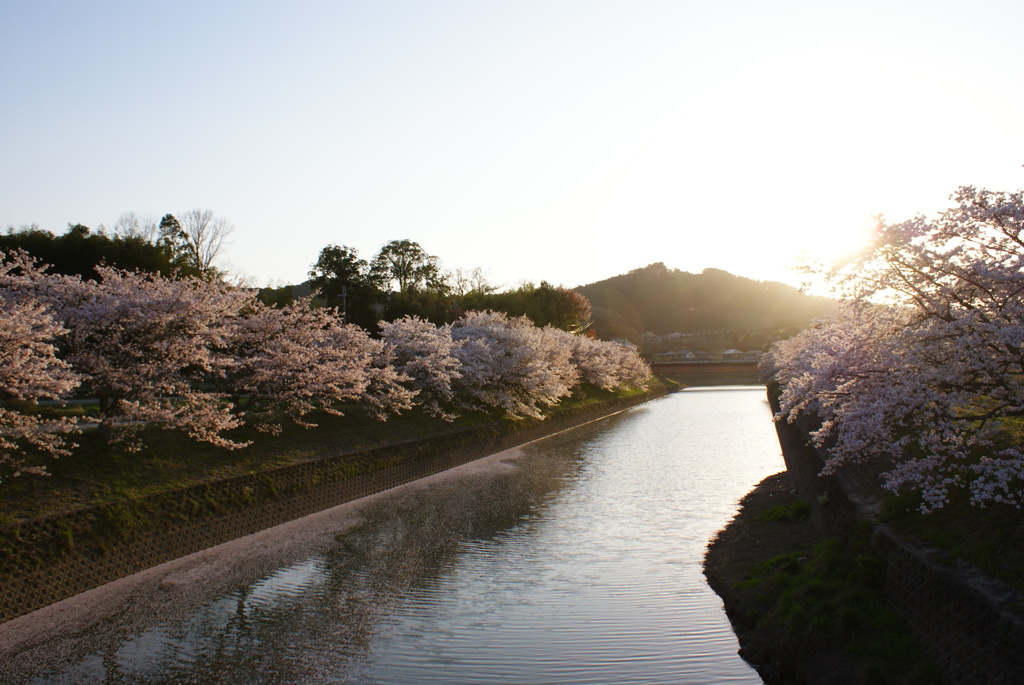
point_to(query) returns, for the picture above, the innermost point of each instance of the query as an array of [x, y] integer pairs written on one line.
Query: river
[[576, 559]]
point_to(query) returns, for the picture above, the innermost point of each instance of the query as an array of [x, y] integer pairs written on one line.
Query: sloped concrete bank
[[970, 624], [45, 560]]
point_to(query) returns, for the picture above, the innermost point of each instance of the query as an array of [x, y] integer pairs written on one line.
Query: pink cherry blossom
[[423, 352], [29, 371], [140, 343], [508, 363], [922, 370], [295, 360]]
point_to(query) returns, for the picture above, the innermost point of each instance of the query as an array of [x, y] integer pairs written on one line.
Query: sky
[[560, 140]]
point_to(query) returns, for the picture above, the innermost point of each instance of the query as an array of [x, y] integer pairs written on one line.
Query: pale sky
[[567, 141]]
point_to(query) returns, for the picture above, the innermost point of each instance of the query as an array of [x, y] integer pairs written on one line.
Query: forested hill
[[661, 300]]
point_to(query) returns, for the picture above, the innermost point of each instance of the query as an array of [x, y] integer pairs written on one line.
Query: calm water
[[576, 561]]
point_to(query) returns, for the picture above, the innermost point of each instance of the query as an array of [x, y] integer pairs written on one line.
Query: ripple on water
[[580, 565]]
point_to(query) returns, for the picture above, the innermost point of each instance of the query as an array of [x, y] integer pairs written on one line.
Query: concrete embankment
[[969, 624], [45, 560]]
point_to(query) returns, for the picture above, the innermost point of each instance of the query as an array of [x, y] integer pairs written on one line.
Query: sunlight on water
[[580, 565]]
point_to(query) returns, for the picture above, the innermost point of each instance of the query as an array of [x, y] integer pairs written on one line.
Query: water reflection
[[578, 561]]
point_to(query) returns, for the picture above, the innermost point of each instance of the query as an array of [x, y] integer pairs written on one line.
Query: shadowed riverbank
[[807, 609]]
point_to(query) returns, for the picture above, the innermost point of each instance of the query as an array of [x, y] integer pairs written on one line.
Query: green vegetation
[[99, 474], [796, 510], [80, 249], [660, 300], [832, 597], [990, 538], [805, 608], [403, 279]]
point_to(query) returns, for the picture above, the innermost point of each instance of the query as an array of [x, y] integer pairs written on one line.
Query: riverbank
[[807, 609], [949, 578], [46, 559], [187, 580]]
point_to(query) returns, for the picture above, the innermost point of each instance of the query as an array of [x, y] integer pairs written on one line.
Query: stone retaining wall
[[831, 507], [960, 617], [45, 560]]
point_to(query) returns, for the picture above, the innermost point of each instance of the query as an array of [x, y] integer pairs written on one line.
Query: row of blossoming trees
[[923, 368], [204, 357]]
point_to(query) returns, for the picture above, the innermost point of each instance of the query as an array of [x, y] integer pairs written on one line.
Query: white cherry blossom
[[923, 370]]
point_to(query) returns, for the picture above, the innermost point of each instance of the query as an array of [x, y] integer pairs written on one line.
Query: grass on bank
[[99, 474], [990, 538], [829, 598]]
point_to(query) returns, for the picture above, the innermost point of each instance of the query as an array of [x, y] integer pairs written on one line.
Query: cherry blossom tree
[[425, 354], [30, 371], [140, 343], [295, 360], [173, 352], [509, 363], [924, 371], [607, 364]]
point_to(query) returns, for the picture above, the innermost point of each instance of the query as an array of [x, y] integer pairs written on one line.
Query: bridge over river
[[709, 372], [575, 559], [700, 368]]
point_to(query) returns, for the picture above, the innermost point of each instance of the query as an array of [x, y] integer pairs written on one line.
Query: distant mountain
[[746, 314]]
